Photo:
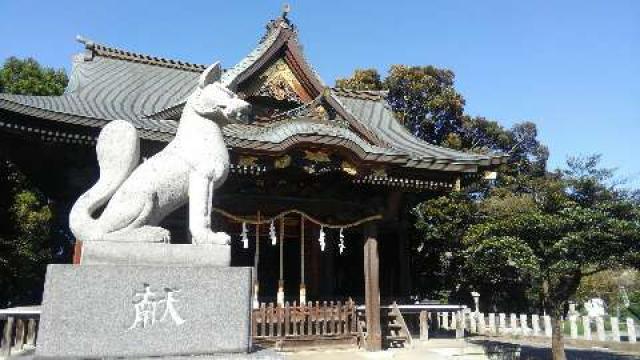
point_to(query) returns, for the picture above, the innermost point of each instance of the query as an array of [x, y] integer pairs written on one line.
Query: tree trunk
[[557, 337]]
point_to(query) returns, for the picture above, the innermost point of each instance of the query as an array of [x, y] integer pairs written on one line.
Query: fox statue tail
[[118, 151]]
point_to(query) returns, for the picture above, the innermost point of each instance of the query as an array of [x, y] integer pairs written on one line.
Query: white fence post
[[513, 323], [473, 322], [481, 326], [547, 325], [502, 323], [574, 326], [492, 324], [535, 324], [460, 325], [454, 322], [631, 330], [586, 325], [523, 324], [615, 328], [600, 328]]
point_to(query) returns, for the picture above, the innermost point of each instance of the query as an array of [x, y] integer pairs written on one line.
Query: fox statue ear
[[211, 75]]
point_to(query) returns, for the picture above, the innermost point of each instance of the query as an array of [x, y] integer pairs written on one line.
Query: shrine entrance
[[297, 257]]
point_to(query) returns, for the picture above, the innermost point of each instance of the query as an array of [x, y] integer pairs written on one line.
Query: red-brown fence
[[311, 320]]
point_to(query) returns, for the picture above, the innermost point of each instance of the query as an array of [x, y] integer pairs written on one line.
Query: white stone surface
[[600, 328], [481, 323], [586, 325], [615, 329], [138, 197], [573, 324], [513, 324], [524, 328], [492, 324], [631, 330], [473, 322], [109, 252], [547, 326], [502, 323], [535, 324], [595, 307]]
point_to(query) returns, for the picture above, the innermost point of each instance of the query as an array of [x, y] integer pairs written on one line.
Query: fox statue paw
[[214, 238]]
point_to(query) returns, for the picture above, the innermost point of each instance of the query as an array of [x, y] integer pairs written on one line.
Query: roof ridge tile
[[97, 49]]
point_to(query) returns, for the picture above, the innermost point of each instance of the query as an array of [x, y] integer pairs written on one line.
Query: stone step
[[396, 338]]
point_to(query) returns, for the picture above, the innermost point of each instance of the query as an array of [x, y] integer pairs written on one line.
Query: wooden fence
[[19, 332], [311, 320]]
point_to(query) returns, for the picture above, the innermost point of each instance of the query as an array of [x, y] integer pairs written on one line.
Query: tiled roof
[[377, 114], [108, 84], [108, 89]]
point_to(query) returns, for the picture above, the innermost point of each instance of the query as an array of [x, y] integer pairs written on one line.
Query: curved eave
[[278, 147], [72, 119]]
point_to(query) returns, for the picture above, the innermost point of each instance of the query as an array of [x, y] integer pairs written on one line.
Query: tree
[[440, 225], [566, 233], [365, 79], [25, 214], [426, 101], [28, 77], [423, 98]]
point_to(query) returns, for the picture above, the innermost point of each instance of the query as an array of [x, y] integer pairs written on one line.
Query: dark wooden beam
[[372, 288]]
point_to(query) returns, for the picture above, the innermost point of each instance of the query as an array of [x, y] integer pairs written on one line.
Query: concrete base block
[[107, 311]]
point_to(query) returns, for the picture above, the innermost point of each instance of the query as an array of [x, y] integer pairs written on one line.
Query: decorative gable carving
[[278, 82]]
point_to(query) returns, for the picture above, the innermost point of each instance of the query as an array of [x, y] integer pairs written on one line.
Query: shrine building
[[322, 179]]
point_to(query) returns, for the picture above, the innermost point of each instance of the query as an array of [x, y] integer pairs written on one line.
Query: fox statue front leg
[[200, 202]]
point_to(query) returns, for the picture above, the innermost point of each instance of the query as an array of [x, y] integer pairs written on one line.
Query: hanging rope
[[281, 249], [265, 220]]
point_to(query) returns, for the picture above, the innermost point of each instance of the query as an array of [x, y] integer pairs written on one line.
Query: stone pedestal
[[138, 253], [107, 311]]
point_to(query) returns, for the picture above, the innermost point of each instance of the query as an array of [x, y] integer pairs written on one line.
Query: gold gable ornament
[[282, 162], [349, 168], [246, 160], [317, 156]]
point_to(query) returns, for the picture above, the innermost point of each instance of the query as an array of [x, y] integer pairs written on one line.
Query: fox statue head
[[214, 101]]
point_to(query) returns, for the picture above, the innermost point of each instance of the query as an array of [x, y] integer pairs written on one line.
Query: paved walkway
[[431, 350], [452, 349]]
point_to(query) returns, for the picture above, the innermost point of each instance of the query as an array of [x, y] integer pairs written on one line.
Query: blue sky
[[572, 67]]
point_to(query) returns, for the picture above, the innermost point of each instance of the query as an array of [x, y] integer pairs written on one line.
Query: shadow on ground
[[533, 352]]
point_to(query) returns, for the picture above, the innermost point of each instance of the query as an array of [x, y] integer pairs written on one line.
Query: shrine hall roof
[[107, 83]]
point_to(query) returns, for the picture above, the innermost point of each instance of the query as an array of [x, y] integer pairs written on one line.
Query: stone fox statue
[[188, 169]]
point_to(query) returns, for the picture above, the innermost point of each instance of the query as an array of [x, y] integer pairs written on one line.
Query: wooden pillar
[[372, 289], [256, 262], [77, 252], [303, 290], [280, 295]]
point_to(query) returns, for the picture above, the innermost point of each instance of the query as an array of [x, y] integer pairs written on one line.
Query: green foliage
[[25, 216], [366, 79], [28, 77], [25, 240], [423, 98], [606, 285], [440, 225], [426, 101], [564, 235]]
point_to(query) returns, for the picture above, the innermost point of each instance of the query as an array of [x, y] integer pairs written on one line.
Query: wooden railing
[[311, 320], [19, 330]]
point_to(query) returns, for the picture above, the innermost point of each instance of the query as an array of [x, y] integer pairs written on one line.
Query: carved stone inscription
[[152, 309]]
